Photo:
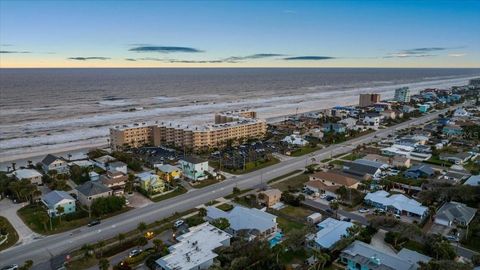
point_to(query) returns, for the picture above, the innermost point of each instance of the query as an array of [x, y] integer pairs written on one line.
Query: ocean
[[55, 110]]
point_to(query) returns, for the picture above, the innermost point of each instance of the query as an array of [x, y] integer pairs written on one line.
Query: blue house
[[418, 171], [363, 256], [452, 130], [334, 127], [423, 108], [55, 199], [443, 121]]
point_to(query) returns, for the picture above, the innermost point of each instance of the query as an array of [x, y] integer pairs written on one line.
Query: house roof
[[422, 168], [241, 218], [117, 164], [413, 256], [335, 178], [360, 169], [462, 155], [320, 185], [105, 159], [167, 168], [398, 201], [474, 180], [113, 177], [56, 196], [92, 188], [147, 176], [272, 192], [26, 173], [49, 159], [456, 211], [376, 258], [331, 231], [194, 160]]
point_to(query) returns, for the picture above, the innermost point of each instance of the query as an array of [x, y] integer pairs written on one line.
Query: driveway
[[137, 200], [9, 209], [378, 242]]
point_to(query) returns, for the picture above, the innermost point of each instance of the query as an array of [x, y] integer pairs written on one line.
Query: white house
[[195, 249], [461, 112], [295, 139], [397, 203], [117, 166], [372, 120], [349, 122], [54, 163], [102, 162], [30, 174]]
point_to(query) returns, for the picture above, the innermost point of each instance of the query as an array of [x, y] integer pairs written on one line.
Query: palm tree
[[141, 227], [87, 249], [202, 212], [26, 265], [158, 243], [121, 237], [100, 246], [334, 206], [60, 210], [13, 165], [321, 259], [30, 164], [103, 264]]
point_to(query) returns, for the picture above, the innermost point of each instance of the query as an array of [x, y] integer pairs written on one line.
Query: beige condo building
[[229, 126]]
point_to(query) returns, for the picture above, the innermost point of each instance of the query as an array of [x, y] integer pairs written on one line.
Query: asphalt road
[[42, 250]]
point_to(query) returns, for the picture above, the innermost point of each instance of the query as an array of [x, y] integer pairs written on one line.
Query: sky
[[239, 33]]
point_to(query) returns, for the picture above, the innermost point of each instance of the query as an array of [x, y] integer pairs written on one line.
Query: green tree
[[120, 238], [159, 245], [221, 223], [26, 265], [103, 264], [334, 206], [43, 218], [60, 211], [321, 259], [202, 212], [141, 227], [142, 241]]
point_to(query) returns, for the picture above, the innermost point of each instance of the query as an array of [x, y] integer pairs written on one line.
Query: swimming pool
[[277, 238]]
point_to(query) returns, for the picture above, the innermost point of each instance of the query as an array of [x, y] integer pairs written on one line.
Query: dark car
[[329, 211], [347, 219], [93, 223], [329, 198]]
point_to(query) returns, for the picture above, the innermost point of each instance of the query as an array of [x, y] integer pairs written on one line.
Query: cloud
[[14, 52], [165, 49], [419, 52], [130, 59], [457, 54], [309, 57], [88, 58], [232, 59], [252, 56]]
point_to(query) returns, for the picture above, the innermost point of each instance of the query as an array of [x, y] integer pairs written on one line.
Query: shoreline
[[36, 156]]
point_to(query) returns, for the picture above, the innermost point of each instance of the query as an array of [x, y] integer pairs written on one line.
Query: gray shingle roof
[[92, 188], [49, 159], [456, 211], [56, 196], [193, 160], [359, 169]]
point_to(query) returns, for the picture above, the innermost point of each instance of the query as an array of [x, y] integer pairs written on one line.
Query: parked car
[[178, 223], [134, 253], [93, 223], [10, 267], [329, 211], [347, 219], [323, 196], [329, 198], [364, 210], [452, 238], [397, 216]]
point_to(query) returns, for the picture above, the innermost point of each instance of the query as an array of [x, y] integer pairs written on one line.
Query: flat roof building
[[194, 249], [368, 99]]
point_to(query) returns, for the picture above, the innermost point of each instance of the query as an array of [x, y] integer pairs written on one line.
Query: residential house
[[194, 168], [474, 180], [389, 114], [90, 191], [102, 162], [54, 163], [330, 231], [461, 112], [151, 182], [408, 109], [117, 166], [395, 161], [115, 180], [454, 176], [58, 198], [295, 139], [93, 176], [168, 172], [452, 130], [350, 123], [194, 250], [82, 163], [251, 221], [456, 158], [315, 133], [372, 119], [329, 182], [419, 171], [334, 127], [270, 197], [397, 203], [454, 213], [364, 168], [423, 108], [30, 174], [382, 106], [363, 256]]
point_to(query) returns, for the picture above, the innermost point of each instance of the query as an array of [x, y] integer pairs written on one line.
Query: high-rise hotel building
[[229, 126], [368, 99], [402, 94]]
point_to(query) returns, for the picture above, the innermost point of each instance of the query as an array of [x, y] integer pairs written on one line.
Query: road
[[42, 250]]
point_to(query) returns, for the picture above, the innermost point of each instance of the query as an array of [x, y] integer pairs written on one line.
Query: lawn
[[284, 176], [288, 225], [338, 162], [83, 263], [225, 207], [30, 214], [12, 237], [250, 166], [352, 156], [297, 212], [205, 183], [294, 182], [435, 160], [178, 191], [304, 150], [326, 160], [233, 195]]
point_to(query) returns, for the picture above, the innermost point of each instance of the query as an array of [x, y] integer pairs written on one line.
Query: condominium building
[[402, 94], [229, 126], [368, 99]]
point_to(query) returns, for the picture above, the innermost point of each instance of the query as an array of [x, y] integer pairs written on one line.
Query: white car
[[323, 196], [178, 223], [363, 210], [134, 253], [10, 267]]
